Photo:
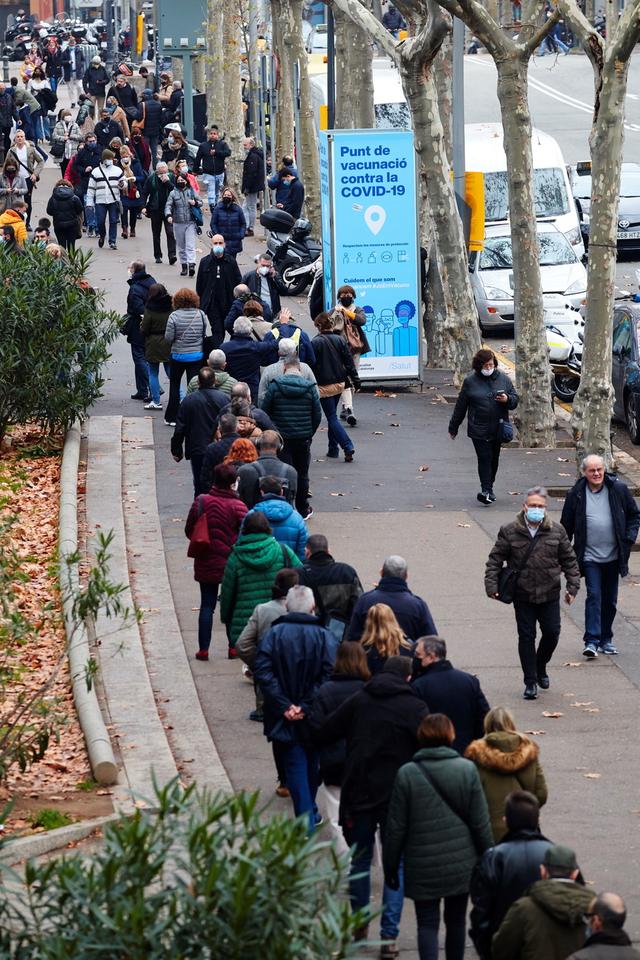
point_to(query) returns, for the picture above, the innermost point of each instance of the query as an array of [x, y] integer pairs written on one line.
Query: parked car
[[564, 278], [318, 39], [625, 372], [628, 204]]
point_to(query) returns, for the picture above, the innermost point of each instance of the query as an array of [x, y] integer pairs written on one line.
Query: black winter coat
[[294, 658], [230, 222], [253, 281], [624, 513], [87, 157], [607, 945], [152, 118], [411, 611], [211, 156], [293, 198], [380, 724], [217, 276], [477, 400], [336, 586], [105, 131], [237, 308], [253, 171], [155, 192], [214, 455], [500, 878], [196, 421], [329, 697], [245, 356], [456, 694], [64, 208], [95, 81], [125, 95], [334, 360], [137, 298], [8, 112]]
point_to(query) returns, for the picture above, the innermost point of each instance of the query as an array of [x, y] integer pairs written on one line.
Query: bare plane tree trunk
[[233, 112], [282, 46], [354, 75], [593, 405], [214, 63], [453, 334], [535, 414]]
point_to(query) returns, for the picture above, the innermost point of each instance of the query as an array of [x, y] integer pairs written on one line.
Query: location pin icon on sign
[[374, 217]]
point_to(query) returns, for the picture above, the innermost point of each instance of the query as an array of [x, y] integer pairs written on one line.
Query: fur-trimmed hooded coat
[[506, 761]]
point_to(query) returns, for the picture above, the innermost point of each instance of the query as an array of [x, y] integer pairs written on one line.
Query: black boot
[[192, 269], [184, 270]]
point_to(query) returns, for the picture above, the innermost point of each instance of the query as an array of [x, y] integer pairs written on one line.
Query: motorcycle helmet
[[301, 228]]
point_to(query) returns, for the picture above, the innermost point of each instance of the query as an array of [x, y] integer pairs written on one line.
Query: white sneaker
[[246, 673], [168, 423], [153, 406]]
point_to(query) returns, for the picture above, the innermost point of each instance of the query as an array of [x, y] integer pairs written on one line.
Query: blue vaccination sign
[[370, 241]]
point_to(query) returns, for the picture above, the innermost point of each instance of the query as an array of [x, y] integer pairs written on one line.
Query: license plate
[[629, 235]]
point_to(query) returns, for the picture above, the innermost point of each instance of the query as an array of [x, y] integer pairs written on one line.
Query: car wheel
[[631, 416], [565, 388]]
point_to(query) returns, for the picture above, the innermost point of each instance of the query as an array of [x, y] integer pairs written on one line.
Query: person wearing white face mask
[[537, 549], [485, 399], [103, 194], [262, 283]]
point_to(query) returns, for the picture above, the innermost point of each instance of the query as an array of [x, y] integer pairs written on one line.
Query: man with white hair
[[412, 613], [242, 295], [245, 355], [224, 382], [155, 192], [287, 350], [295, 656], [602, 518]]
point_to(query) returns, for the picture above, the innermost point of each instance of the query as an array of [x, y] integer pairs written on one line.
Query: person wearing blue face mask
[[539, 550], [218, 274]]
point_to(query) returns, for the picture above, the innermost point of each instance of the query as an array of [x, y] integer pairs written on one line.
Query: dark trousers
[[130, 218], [359, 830], [298, 454], [141, 369], [6, 138], [208, 600], [178, 369], [302, 771], [153, 147], [428, 917], [158, 221], [534, 662], [338, 436], [278, 758], [488, 454], [196, 460], [601, 581], [29, 196], [66, 237]]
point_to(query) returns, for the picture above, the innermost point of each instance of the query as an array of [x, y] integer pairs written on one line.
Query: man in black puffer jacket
[[293, 403], [380, 725], [507, 870], [336, 586], [139, 283]]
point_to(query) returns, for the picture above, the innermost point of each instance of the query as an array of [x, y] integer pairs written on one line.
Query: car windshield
[[498, 255], [630, 184], [550, 194]]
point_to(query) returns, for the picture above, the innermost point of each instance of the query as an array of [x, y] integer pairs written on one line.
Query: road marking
[[632, 96]]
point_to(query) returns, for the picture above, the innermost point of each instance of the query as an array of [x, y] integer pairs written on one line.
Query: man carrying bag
[[536, 551]]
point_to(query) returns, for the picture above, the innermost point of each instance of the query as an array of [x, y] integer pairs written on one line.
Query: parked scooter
[[565, 360], [294, 252]]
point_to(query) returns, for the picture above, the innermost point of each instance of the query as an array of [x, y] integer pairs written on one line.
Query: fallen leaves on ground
[[573, 663], [423, 469], [552, 714], [464, 524], [592, 776], [536, 733]]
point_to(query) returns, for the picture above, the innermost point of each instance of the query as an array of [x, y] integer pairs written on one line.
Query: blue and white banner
[[370, 241]]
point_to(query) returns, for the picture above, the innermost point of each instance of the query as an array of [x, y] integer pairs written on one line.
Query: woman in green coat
[[156, 349], [250, 574], [438, 823], [506, 760]]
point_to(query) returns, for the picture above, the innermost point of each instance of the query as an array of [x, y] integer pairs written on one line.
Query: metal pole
[[187, 100], [458, 110], [331, 70], [133, 29], [296, 117], [273, 112], [108, 15], [262, 90]]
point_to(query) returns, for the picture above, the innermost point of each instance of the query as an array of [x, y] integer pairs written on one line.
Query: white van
[[389, 103], [484, 153]]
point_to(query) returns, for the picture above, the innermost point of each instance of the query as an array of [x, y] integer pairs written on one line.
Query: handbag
[[353, 336], [199, 541], [448, 803], [505, 431], [196, 216], [57, 149], [508, 576]]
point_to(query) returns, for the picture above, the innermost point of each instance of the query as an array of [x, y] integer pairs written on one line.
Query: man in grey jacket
[[287, 352]]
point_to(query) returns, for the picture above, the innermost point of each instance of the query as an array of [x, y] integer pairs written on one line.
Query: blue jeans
[[302, 774], [154, 378], [601, 580], [101, 215], [141, 368], [214, 182], [338, 436], [208, 600], [428, 917], [360, 830], [89, 215]]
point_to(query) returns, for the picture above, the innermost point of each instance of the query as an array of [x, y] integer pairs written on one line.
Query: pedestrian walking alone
[[225, 512], [439, 824], [539, 550], [507, 760], [602, 519], [178, 210], [349, 321], [334, 368], [485, 399]]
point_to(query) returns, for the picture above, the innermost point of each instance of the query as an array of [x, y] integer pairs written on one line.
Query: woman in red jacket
[[225, 512]]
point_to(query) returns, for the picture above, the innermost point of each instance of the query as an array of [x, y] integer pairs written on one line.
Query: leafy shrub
[[54, 342], [207, 877], [50, 819]]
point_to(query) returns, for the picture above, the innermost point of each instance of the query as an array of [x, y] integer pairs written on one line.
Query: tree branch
[[481, 23], [364, 19], [592, 44], [534, 41], [626, 34]]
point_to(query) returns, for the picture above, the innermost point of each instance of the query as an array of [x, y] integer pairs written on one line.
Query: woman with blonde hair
[[383, 637], [507, 760]]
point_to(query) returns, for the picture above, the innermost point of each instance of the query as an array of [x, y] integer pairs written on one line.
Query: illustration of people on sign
[[405, 337], [384, 339]]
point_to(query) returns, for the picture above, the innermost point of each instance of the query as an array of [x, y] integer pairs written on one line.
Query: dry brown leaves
[[35, 537]]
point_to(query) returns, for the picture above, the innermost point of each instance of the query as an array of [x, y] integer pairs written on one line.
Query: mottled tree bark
[[285, 139], [354, 75], [593, 404], [214, 63], [233, 111]]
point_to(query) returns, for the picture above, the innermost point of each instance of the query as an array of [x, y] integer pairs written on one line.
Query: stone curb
[[103, 764], [37, 845]]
